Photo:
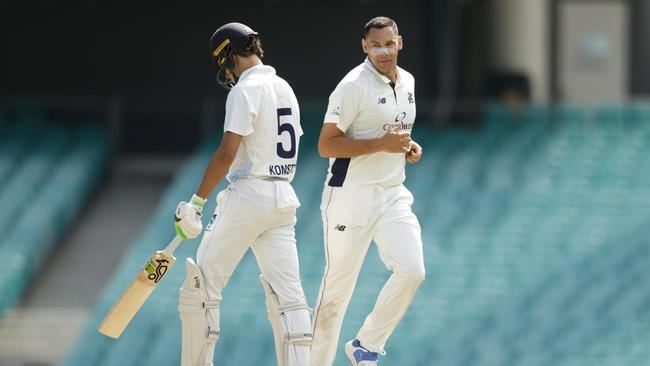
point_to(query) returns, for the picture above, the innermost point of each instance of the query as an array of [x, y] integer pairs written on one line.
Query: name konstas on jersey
[[284, 169]]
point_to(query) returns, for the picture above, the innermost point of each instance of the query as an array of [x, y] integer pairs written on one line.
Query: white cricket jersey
[[263, 109], [366, 105]]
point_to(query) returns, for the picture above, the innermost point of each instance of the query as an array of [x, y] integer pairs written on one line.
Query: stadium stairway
[[534, 227], [44, 186]]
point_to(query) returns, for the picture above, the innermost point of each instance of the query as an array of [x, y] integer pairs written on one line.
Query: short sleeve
[[240, 112], [344, 105]]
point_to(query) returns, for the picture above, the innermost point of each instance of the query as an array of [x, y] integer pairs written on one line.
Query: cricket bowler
[[257, 155], [367, 137]]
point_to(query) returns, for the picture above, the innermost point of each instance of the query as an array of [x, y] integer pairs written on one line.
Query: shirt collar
[[259, 68], [382, 77]]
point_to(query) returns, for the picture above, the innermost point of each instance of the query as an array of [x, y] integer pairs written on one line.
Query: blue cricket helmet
[[228, 39]]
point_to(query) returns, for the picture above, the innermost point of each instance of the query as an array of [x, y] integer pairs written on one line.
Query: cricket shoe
[[358, 355]]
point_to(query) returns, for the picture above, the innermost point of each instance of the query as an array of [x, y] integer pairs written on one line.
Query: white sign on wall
[[593, 50]]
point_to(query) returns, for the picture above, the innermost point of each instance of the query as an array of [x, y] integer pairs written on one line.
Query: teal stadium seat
[[59, 174]]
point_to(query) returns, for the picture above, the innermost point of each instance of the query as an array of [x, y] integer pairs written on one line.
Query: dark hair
[[379, 23], [254, 46]]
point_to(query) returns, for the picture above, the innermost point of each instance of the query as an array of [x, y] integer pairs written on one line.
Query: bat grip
[[173, 245]]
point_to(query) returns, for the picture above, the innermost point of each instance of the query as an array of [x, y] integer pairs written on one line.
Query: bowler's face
[[382, 45]]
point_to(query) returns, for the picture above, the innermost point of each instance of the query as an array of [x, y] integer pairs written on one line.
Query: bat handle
[[173, 245]]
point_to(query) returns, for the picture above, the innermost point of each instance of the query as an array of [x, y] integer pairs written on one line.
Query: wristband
[[197, 201]]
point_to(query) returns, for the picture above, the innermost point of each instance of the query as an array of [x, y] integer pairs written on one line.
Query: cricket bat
[[139, 289]]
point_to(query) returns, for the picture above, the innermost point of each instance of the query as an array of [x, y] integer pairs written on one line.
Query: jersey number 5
[[286, 127]]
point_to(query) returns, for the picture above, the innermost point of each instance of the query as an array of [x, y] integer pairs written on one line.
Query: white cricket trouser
[[247, 215], [352, 218]]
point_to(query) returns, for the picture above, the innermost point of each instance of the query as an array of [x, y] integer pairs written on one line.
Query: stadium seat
[[59, 174]]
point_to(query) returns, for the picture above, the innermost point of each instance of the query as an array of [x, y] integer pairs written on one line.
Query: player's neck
[[392, 75], [245, 63]]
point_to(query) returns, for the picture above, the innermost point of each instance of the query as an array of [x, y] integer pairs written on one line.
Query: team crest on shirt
[[336, 111], [411, 98]]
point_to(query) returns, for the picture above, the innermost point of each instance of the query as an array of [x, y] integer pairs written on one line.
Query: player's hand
[[396, 141], [414, 155], [187, 219]]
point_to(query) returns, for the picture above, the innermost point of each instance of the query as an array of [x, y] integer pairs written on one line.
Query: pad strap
[[294, 306], [213, 304], [212, 308], [298, 338]]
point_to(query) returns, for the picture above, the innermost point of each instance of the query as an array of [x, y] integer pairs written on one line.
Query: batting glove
[[188, 218]]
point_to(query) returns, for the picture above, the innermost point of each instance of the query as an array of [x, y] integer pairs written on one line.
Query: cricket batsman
[[257, 155], [367, 137]]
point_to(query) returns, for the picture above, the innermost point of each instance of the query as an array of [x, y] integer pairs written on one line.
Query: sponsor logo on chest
[[400, 121]]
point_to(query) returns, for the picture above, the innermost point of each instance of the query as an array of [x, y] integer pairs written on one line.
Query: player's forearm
[[216, 170], [345, 147]]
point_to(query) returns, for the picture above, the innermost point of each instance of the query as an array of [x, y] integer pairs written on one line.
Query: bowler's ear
[[364, 45], [400, 43]]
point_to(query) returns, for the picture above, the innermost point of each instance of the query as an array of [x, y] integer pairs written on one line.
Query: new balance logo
[[381, 101], [339, 227]]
